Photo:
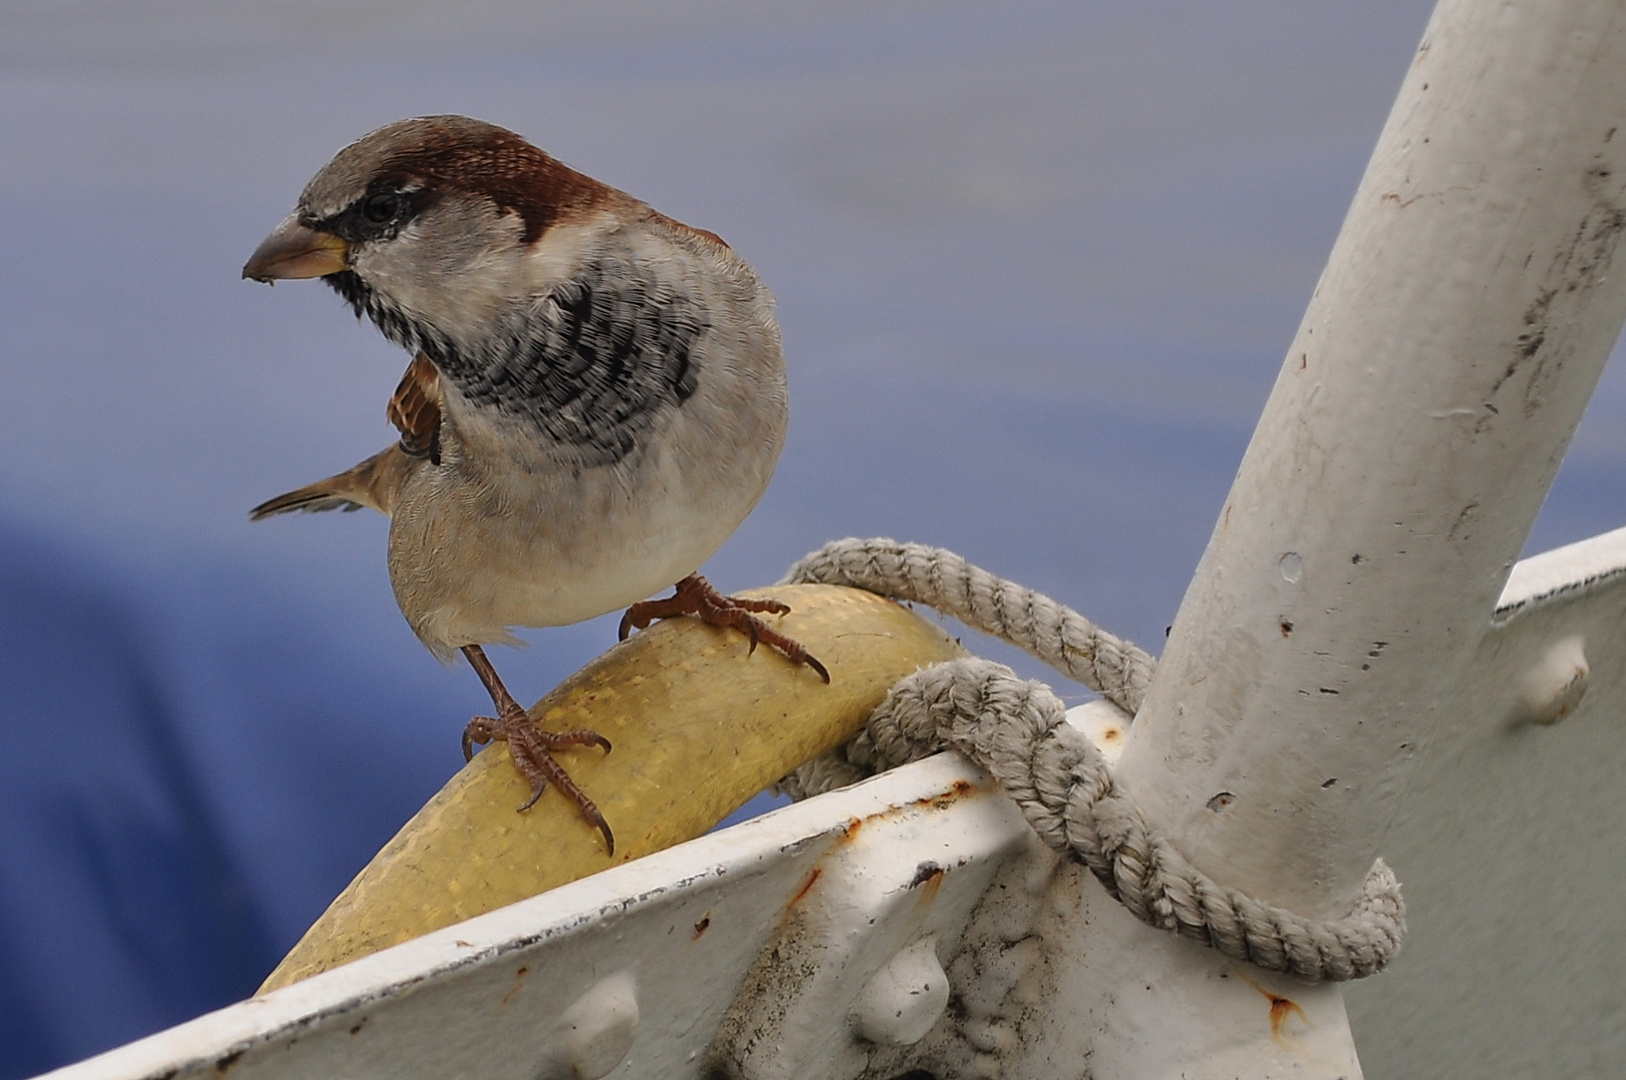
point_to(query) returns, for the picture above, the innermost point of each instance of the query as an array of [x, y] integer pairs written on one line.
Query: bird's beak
[[294, 250]]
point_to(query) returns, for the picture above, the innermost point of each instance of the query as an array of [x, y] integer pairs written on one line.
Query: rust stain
[[1111, 735], [959, 790], [807, 886], [1280, 1009], [702, 926], [519, 984]]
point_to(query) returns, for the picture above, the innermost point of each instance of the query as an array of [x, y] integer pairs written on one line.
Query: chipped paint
[[926, 872]]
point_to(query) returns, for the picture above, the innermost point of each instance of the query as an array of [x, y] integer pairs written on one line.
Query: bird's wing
[[415, 409], [375, 483]]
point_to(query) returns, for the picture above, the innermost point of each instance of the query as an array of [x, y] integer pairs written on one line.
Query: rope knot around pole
[[1017, 730]]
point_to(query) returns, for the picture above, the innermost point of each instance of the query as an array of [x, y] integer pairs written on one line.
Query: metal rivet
[[905, 998], [1554, 685], [596, 1032]]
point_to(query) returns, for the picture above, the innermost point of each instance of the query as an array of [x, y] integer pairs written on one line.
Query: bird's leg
[[528, 745], [695, 596]]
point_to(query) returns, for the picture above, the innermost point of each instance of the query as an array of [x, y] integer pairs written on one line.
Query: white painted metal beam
[[1442, 366]]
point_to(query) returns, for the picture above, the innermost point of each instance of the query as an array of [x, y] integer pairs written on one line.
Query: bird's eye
[[382, 207]]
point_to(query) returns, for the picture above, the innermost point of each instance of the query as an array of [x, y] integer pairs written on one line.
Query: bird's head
[[427, 226]]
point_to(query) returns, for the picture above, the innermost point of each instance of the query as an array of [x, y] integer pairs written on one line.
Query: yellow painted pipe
[[698, 728]]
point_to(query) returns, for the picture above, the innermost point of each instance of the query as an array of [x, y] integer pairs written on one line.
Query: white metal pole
[[1461, 324]]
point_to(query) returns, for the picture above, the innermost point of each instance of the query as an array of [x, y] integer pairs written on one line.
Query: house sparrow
[[596, 400]]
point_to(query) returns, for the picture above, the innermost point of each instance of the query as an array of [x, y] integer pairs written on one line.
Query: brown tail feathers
[[375, 483]]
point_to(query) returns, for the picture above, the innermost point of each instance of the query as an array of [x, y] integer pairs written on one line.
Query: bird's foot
[[695, 596], [531, 749]]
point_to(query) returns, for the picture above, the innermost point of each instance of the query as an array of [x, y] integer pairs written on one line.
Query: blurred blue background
[[1037, 262]]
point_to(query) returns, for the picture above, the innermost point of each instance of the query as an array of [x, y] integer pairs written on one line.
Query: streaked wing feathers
[[415, 409]]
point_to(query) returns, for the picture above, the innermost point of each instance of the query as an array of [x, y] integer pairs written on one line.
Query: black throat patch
[[592, 364]]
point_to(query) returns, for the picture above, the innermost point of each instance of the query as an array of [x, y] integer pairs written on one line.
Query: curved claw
[[536, 793], [609, 837], [476, 733], [811, 661], [626, 625]]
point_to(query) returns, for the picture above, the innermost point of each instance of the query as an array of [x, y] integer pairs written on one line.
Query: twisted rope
[[1031, 621], [1017, 730]]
